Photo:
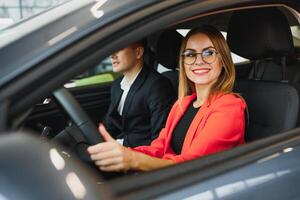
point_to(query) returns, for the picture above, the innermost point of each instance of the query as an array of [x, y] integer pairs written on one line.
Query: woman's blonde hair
[[226, 79]]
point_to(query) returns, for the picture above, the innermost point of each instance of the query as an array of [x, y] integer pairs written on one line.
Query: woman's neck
[[202, 92]]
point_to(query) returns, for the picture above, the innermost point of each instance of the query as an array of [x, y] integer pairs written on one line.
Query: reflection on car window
[[296, 35], [236, 59], [102, 73], [12, 11]]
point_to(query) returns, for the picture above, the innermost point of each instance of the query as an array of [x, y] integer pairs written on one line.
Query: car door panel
[[94, 99]]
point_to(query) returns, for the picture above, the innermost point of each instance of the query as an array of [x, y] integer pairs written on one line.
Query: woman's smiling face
[[201, 72]]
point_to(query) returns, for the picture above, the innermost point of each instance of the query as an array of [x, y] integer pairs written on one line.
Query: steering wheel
[[78, 116], [86, 126]]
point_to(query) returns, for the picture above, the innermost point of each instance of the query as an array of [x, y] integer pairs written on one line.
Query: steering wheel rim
[[78, 116]]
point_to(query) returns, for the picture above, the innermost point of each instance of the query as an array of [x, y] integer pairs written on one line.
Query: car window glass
[[101, 73], [296, 35], [161, 68], [12, 11]]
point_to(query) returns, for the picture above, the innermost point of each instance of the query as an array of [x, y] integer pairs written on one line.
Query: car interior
[[268, 79]]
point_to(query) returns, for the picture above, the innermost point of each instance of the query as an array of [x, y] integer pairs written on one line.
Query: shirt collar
[[125, 84]]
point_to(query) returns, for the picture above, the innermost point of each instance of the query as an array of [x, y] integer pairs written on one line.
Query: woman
[[207, 117]]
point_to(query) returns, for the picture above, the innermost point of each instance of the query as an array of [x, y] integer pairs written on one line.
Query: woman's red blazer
[[218, 125]]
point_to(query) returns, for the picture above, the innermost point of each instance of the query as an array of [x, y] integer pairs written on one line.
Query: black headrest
[[168, 48], [260, 33]]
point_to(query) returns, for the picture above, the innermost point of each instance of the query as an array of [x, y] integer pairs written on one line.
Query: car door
[[267, 169]]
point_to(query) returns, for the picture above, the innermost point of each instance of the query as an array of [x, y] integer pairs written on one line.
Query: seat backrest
[[261, 33], [263, 36], [272, 107], [167, 53]]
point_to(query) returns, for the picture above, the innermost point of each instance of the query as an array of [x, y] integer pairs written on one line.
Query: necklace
[[196, 104]]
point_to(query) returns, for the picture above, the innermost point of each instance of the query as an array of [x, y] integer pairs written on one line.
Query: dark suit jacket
[[146, 108]]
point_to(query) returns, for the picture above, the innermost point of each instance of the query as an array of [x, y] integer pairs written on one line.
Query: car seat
[[263, 36]]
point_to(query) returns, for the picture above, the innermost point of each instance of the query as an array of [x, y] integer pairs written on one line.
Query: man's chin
[[117, 70]]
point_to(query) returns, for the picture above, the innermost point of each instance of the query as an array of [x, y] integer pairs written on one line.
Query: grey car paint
[[42, 172], [275, 177]]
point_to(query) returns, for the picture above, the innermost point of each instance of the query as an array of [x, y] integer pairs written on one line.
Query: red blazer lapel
[[201, 114]]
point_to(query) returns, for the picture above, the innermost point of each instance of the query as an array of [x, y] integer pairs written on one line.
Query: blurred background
[[12, 11]]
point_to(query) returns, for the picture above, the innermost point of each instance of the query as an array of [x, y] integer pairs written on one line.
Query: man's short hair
[[142, 43]]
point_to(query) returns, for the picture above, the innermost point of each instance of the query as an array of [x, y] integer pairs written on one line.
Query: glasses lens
[[189, 57], [209, 55]]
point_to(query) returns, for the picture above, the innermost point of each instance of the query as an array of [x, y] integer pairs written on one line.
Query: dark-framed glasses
[[208, 56]]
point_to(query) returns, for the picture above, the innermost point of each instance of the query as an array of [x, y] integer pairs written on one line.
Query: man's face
[[125, 59]]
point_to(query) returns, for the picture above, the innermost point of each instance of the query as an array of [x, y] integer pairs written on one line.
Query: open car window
[[296, 35], [101, 73]]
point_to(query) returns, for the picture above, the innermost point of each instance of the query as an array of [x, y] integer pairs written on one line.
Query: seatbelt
[[257, 71], [260, 70], [252, 74]]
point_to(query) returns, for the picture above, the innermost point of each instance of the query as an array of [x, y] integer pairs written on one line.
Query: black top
[[182, 128]]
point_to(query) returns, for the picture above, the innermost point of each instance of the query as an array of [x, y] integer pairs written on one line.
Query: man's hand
[[110, 155]]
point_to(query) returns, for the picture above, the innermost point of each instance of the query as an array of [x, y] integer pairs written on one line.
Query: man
[[140, 100]]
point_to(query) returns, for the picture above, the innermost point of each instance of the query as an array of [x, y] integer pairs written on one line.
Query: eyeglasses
[[208, 55]]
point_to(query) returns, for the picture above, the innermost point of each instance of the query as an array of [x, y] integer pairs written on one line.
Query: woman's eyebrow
[[190, 49], [205, 48]]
